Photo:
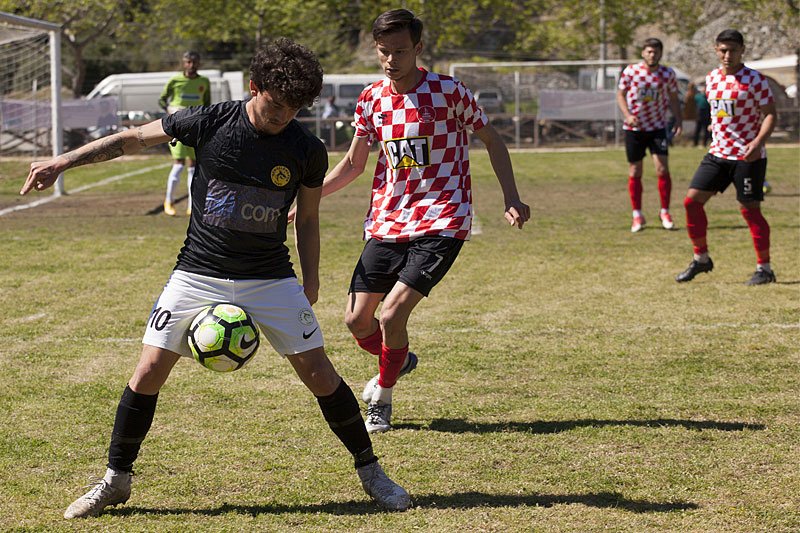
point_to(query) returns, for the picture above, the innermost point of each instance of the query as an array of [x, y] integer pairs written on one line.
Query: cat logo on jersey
[[408, 152], [648, 94], [280, 175], [722, 108]]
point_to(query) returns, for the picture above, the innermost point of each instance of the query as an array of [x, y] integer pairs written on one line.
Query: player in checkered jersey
[[646, 91], [421, 208], [742, 118]]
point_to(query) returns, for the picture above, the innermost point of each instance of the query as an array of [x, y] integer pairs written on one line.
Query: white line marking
[[30, 318], [106, 181], [476, 225]]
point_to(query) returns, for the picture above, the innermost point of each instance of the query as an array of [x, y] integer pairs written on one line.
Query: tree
[[245, 25], [785, 15], [82, 22], [575, 29]]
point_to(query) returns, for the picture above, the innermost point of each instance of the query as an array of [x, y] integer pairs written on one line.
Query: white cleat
[[386, 492], [666, 221], [101, 495], [638, 224], [372, 385], [378, 415]]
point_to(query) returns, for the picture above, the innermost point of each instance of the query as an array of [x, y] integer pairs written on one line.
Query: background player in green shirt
[[181, 91]]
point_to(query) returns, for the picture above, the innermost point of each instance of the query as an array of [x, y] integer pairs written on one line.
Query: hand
[[291, 215], [676, 130], [632, 121], [517, 213], [42, 175], [752, 151]]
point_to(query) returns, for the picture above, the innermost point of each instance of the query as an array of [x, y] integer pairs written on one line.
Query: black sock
[[134, 416], [343, 415]]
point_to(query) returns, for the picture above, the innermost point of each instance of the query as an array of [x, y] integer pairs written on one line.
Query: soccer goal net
[[547, 103], [30, 82]]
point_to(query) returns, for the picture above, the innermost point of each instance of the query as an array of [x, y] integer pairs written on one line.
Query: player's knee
[[391, 321], [690, 202], [359, 325], [323, 380]]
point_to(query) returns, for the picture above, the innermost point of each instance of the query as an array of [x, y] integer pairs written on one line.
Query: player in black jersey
[[253, 159]]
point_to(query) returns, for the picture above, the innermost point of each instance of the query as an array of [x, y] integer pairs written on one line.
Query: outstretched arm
[[306, 232], [517, 213], [348, 169], [44, 173]]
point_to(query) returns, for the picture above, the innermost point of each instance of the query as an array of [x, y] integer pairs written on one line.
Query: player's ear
[[418, 48], [253, 89]]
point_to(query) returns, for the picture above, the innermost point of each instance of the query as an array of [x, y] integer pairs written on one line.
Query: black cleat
[[694, 269], [761, 277]]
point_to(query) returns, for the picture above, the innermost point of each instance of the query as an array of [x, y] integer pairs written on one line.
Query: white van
[[138, 92], [345, 88]]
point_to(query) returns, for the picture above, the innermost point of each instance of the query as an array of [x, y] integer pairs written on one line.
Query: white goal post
[[8, 36]]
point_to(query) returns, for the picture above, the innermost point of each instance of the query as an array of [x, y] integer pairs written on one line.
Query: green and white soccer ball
[[223, 337]]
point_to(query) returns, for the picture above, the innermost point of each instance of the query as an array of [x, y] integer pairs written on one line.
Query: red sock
[[664, 189], [391, 363], [759, 229], [373, 343], [696, 224], [635, 190]]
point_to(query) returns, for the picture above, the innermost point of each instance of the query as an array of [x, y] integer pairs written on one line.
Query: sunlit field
[[566, 382]]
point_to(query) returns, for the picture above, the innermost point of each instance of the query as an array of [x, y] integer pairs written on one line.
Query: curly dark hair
[[288, 69]]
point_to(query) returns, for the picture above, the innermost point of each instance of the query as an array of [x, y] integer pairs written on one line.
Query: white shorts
[[280, 308]]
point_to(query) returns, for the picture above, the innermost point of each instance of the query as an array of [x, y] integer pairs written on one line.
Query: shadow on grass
[[461, 500], [458, 425], [160, 208]]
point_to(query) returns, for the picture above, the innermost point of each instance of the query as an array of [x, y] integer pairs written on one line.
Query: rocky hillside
[[762, 39]]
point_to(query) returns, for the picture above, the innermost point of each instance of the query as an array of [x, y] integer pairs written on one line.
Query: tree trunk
[[80, 70]]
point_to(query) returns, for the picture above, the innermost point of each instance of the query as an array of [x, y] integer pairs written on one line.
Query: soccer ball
[[223, 337]]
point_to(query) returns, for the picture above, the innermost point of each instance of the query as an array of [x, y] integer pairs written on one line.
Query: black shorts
[[715, 174], [420, 264], [638, 142]]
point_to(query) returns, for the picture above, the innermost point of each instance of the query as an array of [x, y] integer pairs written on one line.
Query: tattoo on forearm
[[140, 137], [110, 148]]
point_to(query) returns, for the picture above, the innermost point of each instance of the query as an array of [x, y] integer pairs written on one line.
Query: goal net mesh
[[25, 103]]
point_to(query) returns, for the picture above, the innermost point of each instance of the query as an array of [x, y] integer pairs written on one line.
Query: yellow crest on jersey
[[280, 175]]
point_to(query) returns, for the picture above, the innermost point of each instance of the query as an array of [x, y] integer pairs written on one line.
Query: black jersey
[[242, 190]]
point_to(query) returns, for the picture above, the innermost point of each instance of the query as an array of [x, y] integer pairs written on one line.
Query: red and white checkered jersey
[[647, 94], [422, 181], [735, 102]]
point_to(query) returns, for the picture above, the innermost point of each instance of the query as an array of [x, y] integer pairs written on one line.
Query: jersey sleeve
[[361, 116], [625, 79], [467, 111], [207, 93], [187, 125], [317, 166], [761, 91], [672, 82], [166, 94]]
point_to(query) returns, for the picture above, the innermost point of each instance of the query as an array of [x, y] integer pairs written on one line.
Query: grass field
[[566, 381]]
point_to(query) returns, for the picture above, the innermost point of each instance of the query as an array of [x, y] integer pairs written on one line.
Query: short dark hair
[[396, 20], [653, 43], [730, 36], [191, 53], [290, 70]]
